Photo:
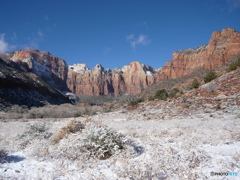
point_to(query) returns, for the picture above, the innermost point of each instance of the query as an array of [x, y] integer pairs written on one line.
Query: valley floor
[[189, 146]]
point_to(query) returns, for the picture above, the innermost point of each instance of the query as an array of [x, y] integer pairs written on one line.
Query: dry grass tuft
[[73, 126]]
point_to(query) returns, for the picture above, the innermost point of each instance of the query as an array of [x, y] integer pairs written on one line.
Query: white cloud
[[4, 46], [140, 40], [131, 36]]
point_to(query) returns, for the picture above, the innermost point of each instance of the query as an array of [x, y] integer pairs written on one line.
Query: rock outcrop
[[25, 88], [51, 68], [130, 79], [222, 47]]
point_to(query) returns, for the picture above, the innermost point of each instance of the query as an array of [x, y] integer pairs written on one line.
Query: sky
[[113, 32]]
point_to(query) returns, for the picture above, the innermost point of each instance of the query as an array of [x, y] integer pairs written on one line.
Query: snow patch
[[149, 73], [80, 68]]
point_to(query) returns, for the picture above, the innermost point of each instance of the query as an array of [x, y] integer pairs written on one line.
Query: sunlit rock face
[[131, 79], [51, 68], [222, 47]]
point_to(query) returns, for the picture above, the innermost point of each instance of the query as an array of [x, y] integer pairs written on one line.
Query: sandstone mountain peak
[[80, 68], [222, 47], [37, 51], [50, 68], [98, 67]]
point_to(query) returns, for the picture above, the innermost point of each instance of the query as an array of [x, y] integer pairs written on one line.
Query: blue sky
[[113, 32]]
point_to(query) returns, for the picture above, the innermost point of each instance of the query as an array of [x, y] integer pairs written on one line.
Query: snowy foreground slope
[[193, 136], [184, 147]]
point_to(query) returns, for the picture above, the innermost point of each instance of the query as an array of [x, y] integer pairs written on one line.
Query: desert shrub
[[91, 110], [18, 109], [72, 127], [173, 92], [16, 112], [211, 75], [151, 98], [34, 131], [233, 66], [94, 142], [62, 111], [195, 84], [238, 62], [134, 102], [161, 94], [102, 142]]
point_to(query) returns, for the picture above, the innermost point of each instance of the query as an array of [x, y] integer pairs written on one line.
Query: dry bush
[[93, 142], [49, 111], [34, 131], [102, 142], [72, 127], [62, 111], [147, 171]]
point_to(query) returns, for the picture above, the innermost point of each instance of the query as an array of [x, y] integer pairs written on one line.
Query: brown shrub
[[72, 127]]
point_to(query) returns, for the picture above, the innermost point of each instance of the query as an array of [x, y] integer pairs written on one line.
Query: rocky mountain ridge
[[18, 86], [134, 78]]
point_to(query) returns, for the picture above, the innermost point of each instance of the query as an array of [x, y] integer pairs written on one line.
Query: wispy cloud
[[4, 46], [233, 5], [40, 33], [138, 40], [107, 50]]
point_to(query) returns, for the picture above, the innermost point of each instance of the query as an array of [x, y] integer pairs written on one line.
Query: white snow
[[80, 68], [186, 147], [149, 73]]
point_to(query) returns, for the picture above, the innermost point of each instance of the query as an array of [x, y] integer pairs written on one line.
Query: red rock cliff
[[130, 79], [50, 68], [222, 47]]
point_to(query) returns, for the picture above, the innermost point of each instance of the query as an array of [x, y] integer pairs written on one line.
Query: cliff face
[[130, 79], [222, 47], [51, 68], [25, 88]]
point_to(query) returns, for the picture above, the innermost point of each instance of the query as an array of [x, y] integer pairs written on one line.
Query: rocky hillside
[[132, 79], [18, 86]]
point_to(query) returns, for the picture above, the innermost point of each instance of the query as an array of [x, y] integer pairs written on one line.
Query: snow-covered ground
[[180, 147]]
